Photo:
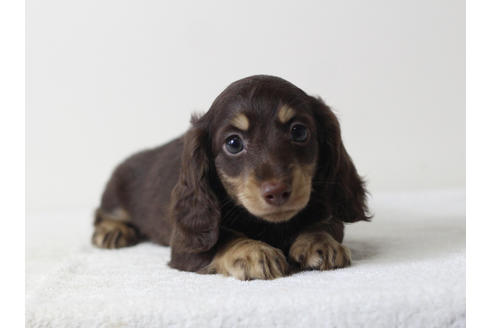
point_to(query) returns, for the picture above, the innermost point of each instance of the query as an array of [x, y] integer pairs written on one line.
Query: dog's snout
[[275, 193]]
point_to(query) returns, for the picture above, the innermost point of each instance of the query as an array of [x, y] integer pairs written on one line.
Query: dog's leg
[[114, 230], [248, 259], [316, 248]]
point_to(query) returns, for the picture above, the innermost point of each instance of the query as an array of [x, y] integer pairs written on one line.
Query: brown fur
[[195, 196]]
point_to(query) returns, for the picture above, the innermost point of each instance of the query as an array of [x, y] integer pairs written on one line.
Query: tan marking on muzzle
[[245, 190]]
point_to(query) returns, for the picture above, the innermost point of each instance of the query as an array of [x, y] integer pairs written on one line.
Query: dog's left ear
[[337, 177]]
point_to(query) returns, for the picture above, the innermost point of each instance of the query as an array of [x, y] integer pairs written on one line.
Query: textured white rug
[[408, 271]]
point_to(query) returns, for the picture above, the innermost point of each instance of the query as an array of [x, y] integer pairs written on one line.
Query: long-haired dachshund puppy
[[259, 186]]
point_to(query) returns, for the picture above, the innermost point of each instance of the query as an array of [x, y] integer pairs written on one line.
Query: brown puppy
[[259, 185]]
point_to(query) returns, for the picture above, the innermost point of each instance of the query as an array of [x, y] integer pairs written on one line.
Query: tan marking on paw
[[118, 214], [320, 251], [114, 234], [248, 259]]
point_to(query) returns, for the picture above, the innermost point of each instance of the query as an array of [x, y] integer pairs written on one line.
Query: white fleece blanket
[[408, 271]]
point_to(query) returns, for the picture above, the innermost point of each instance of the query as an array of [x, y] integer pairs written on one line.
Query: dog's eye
[[234, 144], [299, 133]]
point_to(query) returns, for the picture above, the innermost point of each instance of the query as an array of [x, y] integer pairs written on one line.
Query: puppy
[[259, 186]]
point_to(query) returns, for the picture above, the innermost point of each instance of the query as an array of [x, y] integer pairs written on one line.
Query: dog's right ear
[[195, 208], [342, 185]]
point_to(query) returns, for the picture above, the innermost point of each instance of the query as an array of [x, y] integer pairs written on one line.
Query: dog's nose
[[275, 193]]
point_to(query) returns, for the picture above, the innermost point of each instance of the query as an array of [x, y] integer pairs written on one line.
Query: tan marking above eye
[[241, 122], [285, 113]]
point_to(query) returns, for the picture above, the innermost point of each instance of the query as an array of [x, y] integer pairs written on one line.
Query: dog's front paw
[[319, 251], [248, 259]]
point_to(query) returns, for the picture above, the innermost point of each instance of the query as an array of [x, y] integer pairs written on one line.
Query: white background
[[108, 78]]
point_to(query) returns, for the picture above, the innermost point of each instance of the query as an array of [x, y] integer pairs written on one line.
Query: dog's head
[[274, 150]]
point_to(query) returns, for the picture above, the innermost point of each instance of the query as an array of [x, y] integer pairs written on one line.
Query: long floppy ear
[[339, 179], [195, 209]]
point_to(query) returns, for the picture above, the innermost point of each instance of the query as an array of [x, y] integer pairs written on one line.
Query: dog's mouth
[[280, 215], [273, 213]]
